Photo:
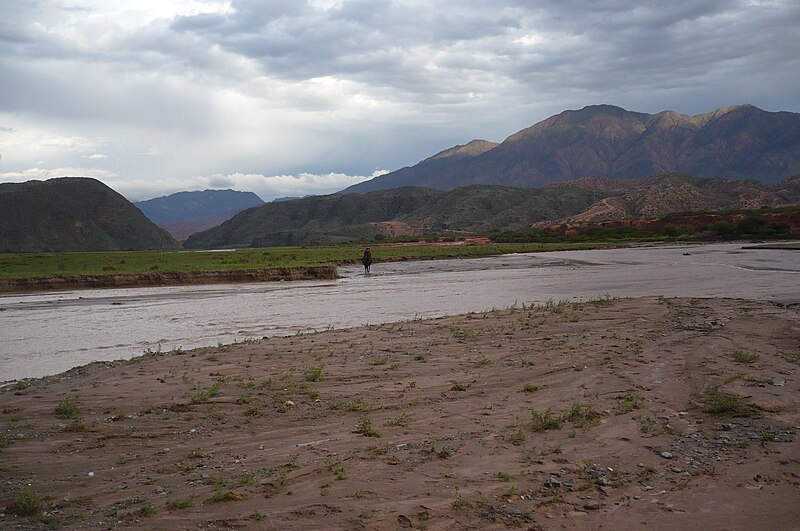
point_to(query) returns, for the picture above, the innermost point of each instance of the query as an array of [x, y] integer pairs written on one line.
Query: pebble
[[591, 505], [666, 455], [552, 483]]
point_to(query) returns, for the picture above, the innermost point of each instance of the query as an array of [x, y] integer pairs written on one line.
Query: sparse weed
[[726, 404], [545, 420], [28, 501], [744, 356], [365, 428], [313, 374], [518, 437], [401, 420], [627, 402], [206, 394], [68, 408]]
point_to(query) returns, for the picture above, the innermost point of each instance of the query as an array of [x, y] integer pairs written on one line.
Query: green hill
[[73, 214]]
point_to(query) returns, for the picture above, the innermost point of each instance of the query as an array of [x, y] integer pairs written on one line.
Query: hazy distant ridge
[[185, 213]]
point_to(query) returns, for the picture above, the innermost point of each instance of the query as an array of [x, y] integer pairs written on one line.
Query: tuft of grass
[[582, 416], [29, 502], [179, 504], [726, 404], [627, 402], [365, 428], [225, 496], [530, 388], [518, 438], [313, 374], [458, 387], [744, 356], [206, 394], [444, 452], [68, 408], [546, 420], [401, 420]]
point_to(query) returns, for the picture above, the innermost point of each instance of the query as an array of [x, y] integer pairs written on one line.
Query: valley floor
[[615, 414]]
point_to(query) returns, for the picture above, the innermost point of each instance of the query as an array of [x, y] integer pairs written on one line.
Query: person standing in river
[[367, 259]]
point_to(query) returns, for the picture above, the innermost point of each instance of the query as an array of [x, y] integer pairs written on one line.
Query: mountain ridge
[[738, 141]]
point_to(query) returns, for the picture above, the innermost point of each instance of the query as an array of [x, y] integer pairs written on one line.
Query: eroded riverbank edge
[[167, 278]]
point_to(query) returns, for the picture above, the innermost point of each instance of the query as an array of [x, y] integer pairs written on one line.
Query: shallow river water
[[47, 333]]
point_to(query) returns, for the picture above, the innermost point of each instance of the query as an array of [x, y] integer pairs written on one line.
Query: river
[[47, 333]]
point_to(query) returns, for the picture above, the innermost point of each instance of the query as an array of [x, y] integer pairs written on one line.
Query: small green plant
[[458, 387], [483, 362], [582, 416], [461, 502], [627, 402], [76, 424], [148, 509], [401, 420], [365, 428], [313, 374], [530, 388], [503, 476], [173, 504], [518, 437], [225, 496], [743, 356], [442, 453], [726, 404], [68, 408], [29, 502], [206, 394], [545, 420]]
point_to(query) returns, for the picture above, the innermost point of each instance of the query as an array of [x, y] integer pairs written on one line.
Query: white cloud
[[267, 187], [42, 174]]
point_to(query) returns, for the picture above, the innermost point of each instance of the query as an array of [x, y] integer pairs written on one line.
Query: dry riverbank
[[665, 413]]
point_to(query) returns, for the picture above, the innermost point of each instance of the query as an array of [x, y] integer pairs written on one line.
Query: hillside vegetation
[[73, 214], [381, 215]]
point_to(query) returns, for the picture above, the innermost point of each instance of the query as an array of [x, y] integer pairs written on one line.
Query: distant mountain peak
[[472, 148]]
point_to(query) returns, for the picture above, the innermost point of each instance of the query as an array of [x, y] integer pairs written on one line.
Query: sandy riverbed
[[275, 434]]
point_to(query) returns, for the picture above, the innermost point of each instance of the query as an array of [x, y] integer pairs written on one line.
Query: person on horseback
[[367, 259]]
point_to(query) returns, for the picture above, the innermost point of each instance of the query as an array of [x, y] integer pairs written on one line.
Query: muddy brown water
[[47, 333]]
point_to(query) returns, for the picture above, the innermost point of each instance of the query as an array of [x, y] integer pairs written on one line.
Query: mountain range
[[185, 213], [73, 214], [414, 210], [738, 142]]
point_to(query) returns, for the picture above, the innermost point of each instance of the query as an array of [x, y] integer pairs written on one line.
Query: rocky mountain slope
[[606, 141], [401, 211], [185, 213], [73, 214], [673, 193], [411, 210]]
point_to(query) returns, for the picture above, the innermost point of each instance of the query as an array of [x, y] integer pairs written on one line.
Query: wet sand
[[562, 416]]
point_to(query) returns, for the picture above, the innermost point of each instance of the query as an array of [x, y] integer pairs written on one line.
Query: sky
[[292, 97]]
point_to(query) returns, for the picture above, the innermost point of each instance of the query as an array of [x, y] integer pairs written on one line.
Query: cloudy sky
[[293, 97]]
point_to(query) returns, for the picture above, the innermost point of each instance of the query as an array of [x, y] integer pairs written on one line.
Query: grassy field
[[107, 263]]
